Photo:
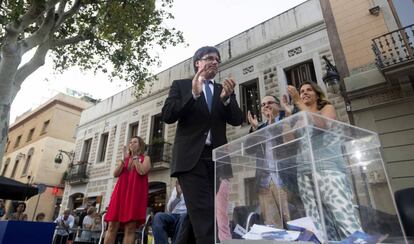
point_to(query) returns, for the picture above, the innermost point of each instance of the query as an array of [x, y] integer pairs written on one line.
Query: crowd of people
[[85, 226], [18, 212], [202, 107]]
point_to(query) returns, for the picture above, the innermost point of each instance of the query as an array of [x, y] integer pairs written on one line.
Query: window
[[404, 10], [45, 126], [7, 145], [86, 150], [157, 129], [6, 165], [14, 168], [250, 98], [27, 163], [133, 130], [250, 191], [30, 136], [403, 14], [102, 147], [299, 73], [16, 144]]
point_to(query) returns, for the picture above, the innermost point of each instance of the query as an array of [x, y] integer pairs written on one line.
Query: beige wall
[[63, 121], [42, 168], [393, 123], [356, 28], [64, 114]]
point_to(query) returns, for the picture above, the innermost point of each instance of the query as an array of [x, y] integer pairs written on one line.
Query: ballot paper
[[263, 232], [305, 223]]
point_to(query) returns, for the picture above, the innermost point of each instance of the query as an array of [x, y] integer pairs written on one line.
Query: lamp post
[[59, 156], [334, 84], [332, 78]]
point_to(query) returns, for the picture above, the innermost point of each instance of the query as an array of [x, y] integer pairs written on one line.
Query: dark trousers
[[59, 239], [198, 189], [166, 225]]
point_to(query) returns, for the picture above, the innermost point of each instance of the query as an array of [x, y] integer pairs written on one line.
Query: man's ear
[[197, 64]]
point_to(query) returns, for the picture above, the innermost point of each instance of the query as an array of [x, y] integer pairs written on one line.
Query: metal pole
[[37, 203]]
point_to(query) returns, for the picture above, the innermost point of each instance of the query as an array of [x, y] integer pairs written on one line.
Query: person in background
[[2, 208], [18, 212], [40, 217], [202, 106], [272, 193], [96, 228], [82, 214], [87, 224], [168, 224], [129, 200], [64, 224], [334, 187]]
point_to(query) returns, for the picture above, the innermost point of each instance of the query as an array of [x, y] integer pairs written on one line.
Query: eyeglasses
[[211, 59], [269, 103]]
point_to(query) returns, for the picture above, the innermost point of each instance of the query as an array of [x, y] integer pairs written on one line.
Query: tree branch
[[72, 11], [51, 4], [41, 34], [70, 40], [28, 68], [35, 10], [62, 6], [60, 11]]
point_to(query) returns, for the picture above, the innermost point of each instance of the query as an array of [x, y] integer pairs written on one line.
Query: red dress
[[130, 196]]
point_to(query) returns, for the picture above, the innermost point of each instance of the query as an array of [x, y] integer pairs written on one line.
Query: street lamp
[[59, 156], [332, 78]]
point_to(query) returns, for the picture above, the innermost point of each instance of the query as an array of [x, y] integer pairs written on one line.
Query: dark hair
[[199, 54], [141, 144], [40, 215], [18, 204], [322, 101], [274, 97]]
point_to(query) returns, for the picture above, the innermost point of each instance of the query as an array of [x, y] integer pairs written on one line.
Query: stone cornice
[[294, 36]]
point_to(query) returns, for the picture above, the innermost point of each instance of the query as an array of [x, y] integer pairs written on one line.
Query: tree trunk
[[9, 62], [4, 127]]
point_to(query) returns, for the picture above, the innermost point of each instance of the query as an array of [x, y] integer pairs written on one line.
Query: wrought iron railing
[[77, 173], [394, 48], [160, 152]]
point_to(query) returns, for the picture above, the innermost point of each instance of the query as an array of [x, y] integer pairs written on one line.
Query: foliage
[[112, 36]]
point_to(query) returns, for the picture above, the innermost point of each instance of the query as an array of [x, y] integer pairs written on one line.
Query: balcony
[[77, 173], [160, 154], [394, 51]]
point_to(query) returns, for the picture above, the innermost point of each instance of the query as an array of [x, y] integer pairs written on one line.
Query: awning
[[15, 190]]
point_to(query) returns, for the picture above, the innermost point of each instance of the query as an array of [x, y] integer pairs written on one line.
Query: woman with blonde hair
[[129, 199]]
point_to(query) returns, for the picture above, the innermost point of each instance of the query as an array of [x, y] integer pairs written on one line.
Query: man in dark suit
[[202, 108]]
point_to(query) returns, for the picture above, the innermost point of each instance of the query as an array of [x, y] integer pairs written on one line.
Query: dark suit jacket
[[194, 122]]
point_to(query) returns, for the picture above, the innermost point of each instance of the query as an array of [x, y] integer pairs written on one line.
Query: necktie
[[209, 95]]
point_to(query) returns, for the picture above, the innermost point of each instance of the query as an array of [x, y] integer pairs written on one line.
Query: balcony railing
[[161, 154], [394, 48], [77, 173]]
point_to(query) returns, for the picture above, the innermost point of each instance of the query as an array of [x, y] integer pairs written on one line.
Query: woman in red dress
[[128, 204]]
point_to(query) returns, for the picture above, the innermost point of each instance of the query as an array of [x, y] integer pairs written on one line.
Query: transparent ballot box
[[307, 178]]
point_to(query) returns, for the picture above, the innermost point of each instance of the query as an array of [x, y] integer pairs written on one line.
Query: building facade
[[263, 60], [373, 47], [34, 140]]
